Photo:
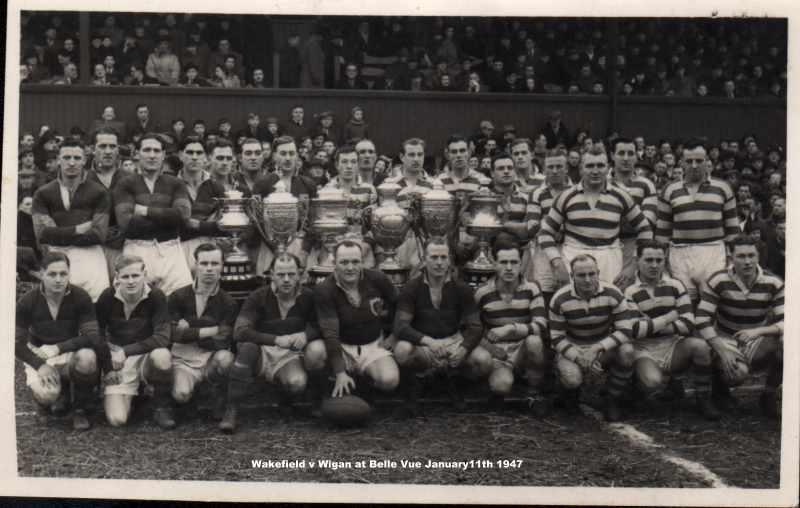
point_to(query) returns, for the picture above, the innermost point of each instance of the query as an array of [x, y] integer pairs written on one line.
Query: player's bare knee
[[386, 381], [47, 395], [85, 361], [403, 352], [116, 416], [295, 383], [480, 362], [222, 361], [701, 351], [625, 356], [161, 359], [534, 346], [315, 356], [501, 381], [181, 393], [569, 374], [650, 377]]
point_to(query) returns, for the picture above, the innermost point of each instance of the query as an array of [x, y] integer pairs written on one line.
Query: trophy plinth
[[390, 224], [234, 220], [328, 223], [485, 225]]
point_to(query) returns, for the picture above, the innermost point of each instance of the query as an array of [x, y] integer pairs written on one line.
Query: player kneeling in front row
[[437, 326], [276, 334], [57, 339], [662, 345], [741, 316], [202, 317], [513, 313], [590, 327], [355, 308], [134, 318]]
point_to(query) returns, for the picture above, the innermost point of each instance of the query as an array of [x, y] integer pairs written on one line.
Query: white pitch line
[[642, 440]]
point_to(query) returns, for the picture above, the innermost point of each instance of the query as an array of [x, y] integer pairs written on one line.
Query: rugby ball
[[346, 410]]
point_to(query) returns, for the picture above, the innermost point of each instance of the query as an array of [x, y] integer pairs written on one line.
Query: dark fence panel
[[394, 116]]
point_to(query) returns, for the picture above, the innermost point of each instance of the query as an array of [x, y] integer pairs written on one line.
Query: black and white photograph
[[398, 255]]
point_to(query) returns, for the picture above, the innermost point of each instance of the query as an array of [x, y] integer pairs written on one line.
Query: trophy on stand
[[281, 216], [390, 225], [328, 222], [438, 211], [485, 225], [235, 220]]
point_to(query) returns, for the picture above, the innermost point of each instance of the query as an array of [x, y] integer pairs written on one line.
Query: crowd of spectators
[[686, 58], [755, 169]]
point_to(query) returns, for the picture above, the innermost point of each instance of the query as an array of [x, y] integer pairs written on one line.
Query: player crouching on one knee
[[202, 317], [355, 308], [662, 345], [590, 327], [741, 316], [276, 334], [437, 325], [513, 314], [57, 339], [134, 318]]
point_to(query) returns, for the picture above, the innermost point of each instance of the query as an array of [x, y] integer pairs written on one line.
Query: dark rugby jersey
[[733, 307], [342, 322], [708, 215], [203, 207], [417, 317], [593, 226], [220, 311], [260, 319], [168, 207], [114, 237], [668, 295], [75, 326], [526, 307], [605, 318], [55, 225], [148, 327]]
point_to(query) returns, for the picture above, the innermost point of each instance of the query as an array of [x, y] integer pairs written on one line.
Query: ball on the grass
[[346, 410]]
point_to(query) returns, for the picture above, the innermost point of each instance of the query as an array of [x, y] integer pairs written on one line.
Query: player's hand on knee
[[344, 385], [283, 341], [727, 362], [118, 357], [298, 341], [114, 377], [48, 375], [745, 336], [459, 355], [435, 346]]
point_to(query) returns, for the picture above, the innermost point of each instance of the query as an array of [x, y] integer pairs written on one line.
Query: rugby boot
[[454, 393], [80, 421], [769, 404], [721, 393], [569, 401], [228, 423], [219, 399], [318, 390], [540, 405], [410, 407], [164, 418], [675, 390], [612, 411], [62, 404], [707, 409], [496, 403]]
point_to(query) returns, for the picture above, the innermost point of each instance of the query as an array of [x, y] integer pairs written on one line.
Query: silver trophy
[[390, 224], [328, 223], [281, 216], [484, 224], [235, 220], [438, 210]]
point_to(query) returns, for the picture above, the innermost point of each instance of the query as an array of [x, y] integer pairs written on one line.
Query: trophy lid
[[280, 195], [233, 194], [438, 192], [330, 194]]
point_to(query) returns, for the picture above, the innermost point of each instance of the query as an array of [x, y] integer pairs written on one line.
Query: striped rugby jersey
[[728, 303], [708, 215], [526, 306], [422, 186], [593, 226], [605, 318], [530, 183], [541, 201], [464, 186], [668, 295], [644, 193], [515, 205]]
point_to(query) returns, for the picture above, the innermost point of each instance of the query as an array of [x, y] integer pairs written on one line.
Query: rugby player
[[134, 318], [526, 172], [276, 338], [414, 183], [437, 325], [589, 215], [663, 342], [515, 320], [741, 316], [643, 192], [515, 210], [202, 316], [696, 216], [590, 330], [70, 215], [151, 210], [251, 165], [57, 339], [355, 308], [556, 181]]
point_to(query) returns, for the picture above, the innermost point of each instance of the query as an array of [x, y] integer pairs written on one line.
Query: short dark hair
[[505, 242], [435, 240], [206, 247], [618, 140], [695, 143], [500, 156], [348, 244], [141, 104], [72, 143], [650, 244], [107, 131], [151, 135], [342, 150], [282, 140], [520, 141], [221, 143], [411, 142], [742, 240], [53, 257], [286, 256], [189, 140], [455, 138]]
